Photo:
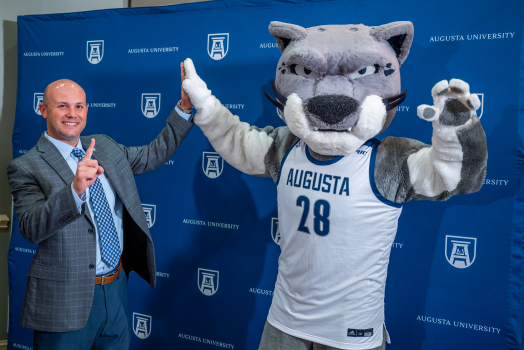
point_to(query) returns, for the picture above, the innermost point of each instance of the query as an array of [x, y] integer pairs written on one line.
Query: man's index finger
[[89, 151]]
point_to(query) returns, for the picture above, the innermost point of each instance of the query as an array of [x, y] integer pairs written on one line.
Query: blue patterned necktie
[[104, 217]]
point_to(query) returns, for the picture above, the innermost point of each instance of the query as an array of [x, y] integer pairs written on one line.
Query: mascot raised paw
[[340, 190]]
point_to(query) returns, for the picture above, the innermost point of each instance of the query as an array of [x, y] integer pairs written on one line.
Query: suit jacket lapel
[[110, 170], [55, 160]]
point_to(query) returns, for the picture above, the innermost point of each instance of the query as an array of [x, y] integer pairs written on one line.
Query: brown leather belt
[[110, 278]]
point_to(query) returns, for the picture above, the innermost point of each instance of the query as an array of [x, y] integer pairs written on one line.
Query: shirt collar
[[64, 148]]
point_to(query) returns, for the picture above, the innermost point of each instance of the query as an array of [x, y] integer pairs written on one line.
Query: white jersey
[[336, 235]]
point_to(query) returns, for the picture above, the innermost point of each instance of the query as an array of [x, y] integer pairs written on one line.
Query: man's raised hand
[[87, 171], [186, 102]]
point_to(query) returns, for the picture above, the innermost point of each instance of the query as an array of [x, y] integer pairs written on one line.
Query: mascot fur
[[340, 190]]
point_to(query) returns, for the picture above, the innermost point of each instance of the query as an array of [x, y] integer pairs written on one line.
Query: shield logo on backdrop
[[217, 45], [481, 98], [151, 104], [142, 325], [212, 164], [207, 281], [461, 251], [37, 99], [275, 230], [95, 51], [150, 213]]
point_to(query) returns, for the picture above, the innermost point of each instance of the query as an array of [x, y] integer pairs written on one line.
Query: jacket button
[[91, 266], [91, 230]]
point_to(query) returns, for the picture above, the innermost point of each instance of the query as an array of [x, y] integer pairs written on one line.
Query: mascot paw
[[195, 87], [453, 105]]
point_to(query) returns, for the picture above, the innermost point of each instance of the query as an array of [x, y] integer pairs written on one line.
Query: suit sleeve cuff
[[79, 200], [186, 116]]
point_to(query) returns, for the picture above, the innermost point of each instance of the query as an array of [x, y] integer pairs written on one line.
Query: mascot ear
[[284, 33], [399, 35]]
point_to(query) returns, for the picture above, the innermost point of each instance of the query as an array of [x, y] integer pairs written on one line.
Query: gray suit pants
[[274, 339]]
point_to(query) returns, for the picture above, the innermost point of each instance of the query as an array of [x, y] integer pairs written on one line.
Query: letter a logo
[[142, 325], [207, 281], [95, 51], [151, 104], [150, 213], [37, 99], [217, 45], [212, 164], [460, 251]]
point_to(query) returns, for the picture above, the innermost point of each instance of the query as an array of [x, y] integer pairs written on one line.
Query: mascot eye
[[364, 71], [303, 71]]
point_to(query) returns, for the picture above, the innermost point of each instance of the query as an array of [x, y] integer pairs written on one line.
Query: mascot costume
[[340, 190]]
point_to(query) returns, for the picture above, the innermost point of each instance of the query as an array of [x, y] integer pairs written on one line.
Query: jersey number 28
[[320, 210]]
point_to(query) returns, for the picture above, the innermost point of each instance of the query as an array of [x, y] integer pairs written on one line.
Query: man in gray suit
[[80, 203]]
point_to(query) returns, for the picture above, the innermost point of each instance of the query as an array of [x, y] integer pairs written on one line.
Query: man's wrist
[[79, 199], [183, 109], [76, 191]]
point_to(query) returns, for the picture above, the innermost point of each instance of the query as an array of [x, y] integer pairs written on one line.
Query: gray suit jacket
[[60, 286]]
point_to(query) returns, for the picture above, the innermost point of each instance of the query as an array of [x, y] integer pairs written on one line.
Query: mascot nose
[[332, 109]]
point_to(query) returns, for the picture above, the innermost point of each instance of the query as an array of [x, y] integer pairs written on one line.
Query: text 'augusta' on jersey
[[318, 181]]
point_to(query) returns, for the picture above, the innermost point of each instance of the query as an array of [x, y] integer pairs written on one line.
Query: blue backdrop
[[223, 226]]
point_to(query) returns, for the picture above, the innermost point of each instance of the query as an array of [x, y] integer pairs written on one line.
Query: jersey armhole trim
[[374, 144], [284, 160]]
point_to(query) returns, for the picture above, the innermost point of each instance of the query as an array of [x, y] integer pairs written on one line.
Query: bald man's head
[[59, 84], [65, 110]]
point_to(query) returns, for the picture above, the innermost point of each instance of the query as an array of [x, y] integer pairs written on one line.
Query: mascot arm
[[241, 145], [456, 161], [249, 149]]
